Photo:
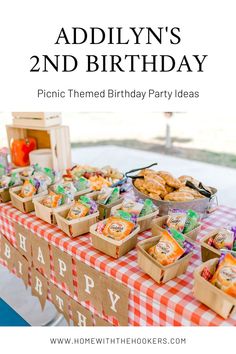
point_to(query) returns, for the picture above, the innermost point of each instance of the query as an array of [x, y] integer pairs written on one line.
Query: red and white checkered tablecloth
[[149, 303]]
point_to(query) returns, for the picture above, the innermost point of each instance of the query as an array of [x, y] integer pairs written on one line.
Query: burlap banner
[[22, 267], [89, 285], [100, 322], [40, 254], [23, 240], [39, 286], [115, 299], [63, 267], [81, 316], [7, 252], [60, 301]]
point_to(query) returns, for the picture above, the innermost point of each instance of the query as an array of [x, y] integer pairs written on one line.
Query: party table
[[149, 303]]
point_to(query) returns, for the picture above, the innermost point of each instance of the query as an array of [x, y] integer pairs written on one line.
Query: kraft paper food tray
[[220, 302], [158, 272], [105, 210], [4, 195], [25, 205], [144, 221], [83, 192], [45, 213], [5, 192], [76, 227], [207, 251], [157, 228], [112, 247]]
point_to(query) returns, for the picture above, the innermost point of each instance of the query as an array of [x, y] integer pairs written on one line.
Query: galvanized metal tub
[[203, 206]]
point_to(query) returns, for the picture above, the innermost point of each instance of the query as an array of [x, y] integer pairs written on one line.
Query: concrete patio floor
[[12, 289]]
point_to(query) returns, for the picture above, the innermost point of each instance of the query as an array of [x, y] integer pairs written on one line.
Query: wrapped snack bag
[[83, 207], [233, 228], [206, 274], [148, 208], [177, 219], [2, 170], [53, 200], [108, 195], [104, 195], [90, 203], [167, 250], [127, 216], [12, 180], [132, 207], [115, 195], [117, 228], [178, 237], [78, 210], [224, 239], [225, 276], [67, 191], [191, 222], [28, 189], [124, 215], [81, 184], [27, 172]]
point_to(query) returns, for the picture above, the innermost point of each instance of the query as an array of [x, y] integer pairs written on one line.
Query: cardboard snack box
[[207, 293], [158, 272], [25, 205], [207, 251], [45, 213], [145, 222], [111, 247], [157, 228], [76, 227]]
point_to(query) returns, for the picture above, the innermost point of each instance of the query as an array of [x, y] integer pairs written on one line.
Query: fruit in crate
[[20, 149]]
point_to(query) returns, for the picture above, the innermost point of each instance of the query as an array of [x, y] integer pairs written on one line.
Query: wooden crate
[[207, 293], [55, 138], [76, 227], [45, 213], [25, 205], [208, 252], [111, 247], [157, 228], [144, 222], [36, 119], [158, 272]]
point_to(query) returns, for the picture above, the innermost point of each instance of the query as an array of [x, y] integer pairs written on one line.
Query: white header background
[[31, 28]]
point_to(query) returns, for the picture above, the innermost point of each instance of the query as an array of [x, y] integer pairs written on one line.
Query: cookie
[[183, 179], [192, 191], [139, 182], [146, 172], [155, 196], [169, 179], [169, 189], [153, 185], [179, 197]]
